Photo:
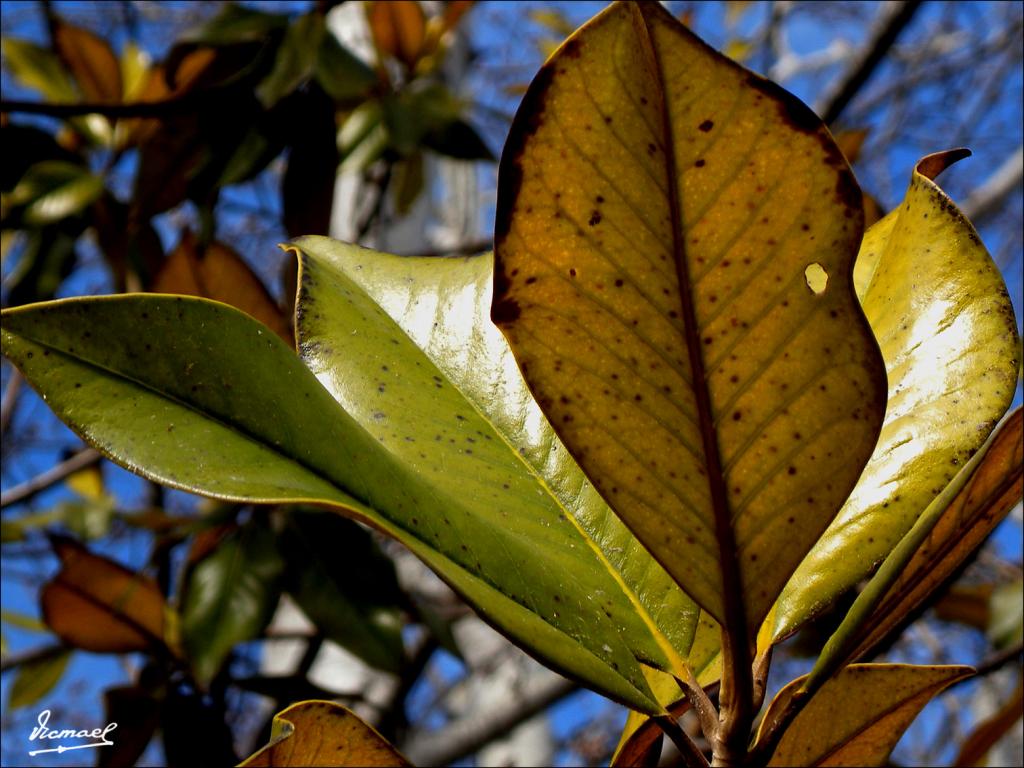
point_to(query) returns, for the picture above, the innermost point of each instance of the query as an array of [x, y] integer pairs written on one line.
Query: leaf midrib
[[734, 617]]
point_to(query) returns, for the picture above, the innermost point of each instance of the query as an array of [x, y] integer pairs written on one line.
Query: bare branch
[[871, 56], [467, 735], [10, 398], [84, 458], [987, 198]]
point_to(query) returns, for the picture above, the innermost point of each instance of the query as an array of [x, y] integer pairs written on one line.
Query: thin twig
[[178, 105], [692, 756], [698, 698], [19, 493], [469, 734], [987, 198], [10, 399], [36, 654], [865, 65]]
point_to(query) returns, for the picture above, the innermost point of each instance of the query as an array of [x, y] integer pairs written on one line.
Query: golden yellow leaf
[[321, 733], [674, 246], [939, 307], [91, 61], [858, 716], [399, 29]]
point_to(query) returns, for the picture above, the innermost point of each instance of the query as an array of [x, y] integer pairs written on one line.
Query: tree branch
[[468, 734], [9, 399], [84, 458], [178, 105], [871, 56], [987, 198]]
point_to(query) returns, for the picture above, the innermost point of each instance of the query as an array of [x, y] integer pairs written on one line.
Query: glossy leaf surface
[[858, 716], [442, 305], [321, 733], [663, 217], [945, 324], [221, 406], [951, 534], [230, 596], [98, 605]]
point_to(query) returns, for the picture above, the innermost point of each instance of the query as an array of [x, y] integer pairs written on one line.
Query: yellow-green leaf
[[675, 240], [993, 489], [859, 715], [939, 308], [35, 678], [321, 733]]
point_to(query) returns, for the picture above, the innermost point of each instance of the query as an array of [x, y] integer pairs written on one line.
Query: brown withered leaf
[[98, 605], [218, 272]]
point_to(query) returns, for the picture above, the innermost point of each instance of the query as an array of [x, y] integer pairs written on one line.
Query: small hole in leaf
[[816, 277]]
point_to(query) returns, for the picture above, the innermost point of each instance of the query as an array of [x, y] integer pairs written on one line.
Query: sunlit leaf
[[52, 190], [674, 242], [939, 308], [217, 272], [442, 306], [98, 605], [91, 61], [36, 678], [230, 597], [858, 716], [321, 733], [222, 407]]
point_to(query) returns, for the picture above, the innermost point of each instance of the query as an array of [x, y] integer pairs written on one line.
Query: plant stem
[[692, 757]]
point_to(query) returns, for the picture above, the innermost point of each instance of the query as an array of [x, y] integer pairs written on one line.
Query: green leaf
[[859, 715], [22, 621], [295, 60], [45, 260], [323, 733], [230, 596], [939, 308], [222, 407], [458, 139], [345, 585], [39, 68], [674, 243], [342, 75], [237, 23], [52, 190], [442, 306], [36, 678], [25, 146]]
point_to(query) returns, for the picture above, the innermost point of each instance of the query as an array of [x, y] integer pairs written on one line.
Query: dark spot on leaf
[[699, 163], [706, 126], [595, 218]]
